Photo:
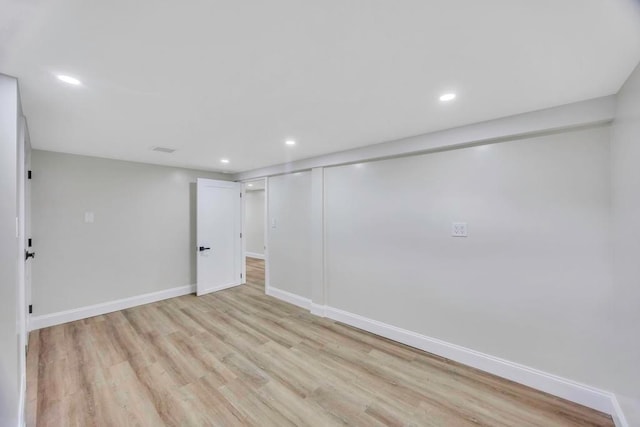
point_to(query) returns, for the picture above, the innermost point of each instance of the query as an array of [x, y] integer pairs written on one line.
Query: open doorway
[[255, 221]]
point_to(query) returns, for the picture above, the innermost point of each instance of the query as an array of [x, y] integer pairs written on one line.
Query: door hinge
[[241, 275], [28, 174], [241, 195], [30, 308], [241, 235]]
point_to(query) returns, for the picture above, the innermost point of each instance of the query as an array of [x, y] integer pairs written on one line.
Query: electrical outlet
[[459, 229]]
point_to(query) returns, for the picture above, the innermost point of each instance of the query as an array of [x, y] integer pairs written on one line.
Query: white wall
[[254, 222], [142, 239], [289, 243], [563, 117], [531, 283], [10, 375], [625, 312]]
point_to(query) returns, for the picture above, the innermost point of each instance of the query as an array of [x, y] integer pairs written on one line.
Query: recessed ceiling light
[[224, 160], [447, 97], [250, 185], [69, 79], [290, 142]]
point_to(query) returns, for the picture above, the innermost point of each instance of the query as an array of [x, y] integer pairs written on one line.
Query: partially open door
[[219, 235]]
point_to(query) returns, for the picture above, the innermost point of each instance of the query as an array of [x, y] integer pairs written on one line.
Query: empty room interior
[[320, 213]]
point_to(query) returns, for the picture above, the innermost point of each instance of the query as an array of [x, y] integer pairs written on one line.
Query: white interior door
[[219, 235]]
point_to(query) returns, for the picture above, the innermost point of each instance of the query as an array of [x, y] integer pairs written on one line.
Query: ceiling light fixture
[[290, 142], [249, 185], [447, 97], [68, 79], [224, 161]]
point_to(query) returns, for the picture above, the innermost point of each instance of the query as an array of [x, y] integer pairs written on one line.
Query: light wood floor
[[238, 357]]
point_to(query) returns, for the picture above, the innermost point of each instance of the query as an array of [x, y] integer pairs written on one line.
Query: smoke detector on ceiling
[[163, 149]]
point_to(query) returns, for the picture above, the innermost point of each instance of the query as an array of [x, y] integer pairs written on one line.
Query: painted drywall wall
[[142, 238], [10, 376], [625, 312], [289, 229], [532, 281], [563, 117], [254, 221]]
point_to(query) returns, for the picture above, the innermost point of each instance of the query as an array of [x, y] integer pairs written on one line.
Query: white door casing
[[27, 228], [219, 228]]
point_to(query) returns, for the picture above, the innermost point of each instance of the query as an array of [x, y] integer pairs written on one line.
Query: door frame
[[267, 281], [21, 231], [22, 159], [27, 229], [266, 230], [243, 238]]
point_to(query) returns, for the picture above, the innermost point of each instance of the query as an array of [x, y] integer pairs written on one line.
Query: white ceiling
[[234, 79]]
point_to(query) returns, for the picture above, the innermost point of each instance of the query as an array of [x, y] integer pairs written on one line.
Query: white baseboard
[[552, 384], [38, 322], [22, 422], [218, 288], [618, 416], [591, 397], [318, 310], [570, 390], [289, 297], [254, 255]]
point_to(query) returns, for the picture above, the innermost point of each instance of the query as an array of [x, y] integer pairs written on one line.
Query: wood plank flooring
[[238, 357]]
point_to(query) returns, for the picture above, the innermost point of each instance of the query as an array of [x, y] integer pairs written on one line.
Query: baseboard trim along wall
[[218, 288], [254, 255], [23, 397], [39, 322], [318, 310], [582, 394], [570, 390], [561, 387], [289, 297], [618, 416]]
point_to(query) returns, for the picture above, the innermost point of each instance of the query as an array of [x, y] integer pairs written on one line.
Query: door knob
[[202, 249], [29, 255]]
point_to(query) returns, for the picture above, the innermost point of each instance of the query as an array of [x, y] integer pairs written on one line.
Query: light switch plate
[[459, 229]]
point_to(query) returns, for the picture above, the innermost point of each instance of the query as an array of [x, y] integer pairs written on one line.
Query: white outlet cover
[[459, 229]]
